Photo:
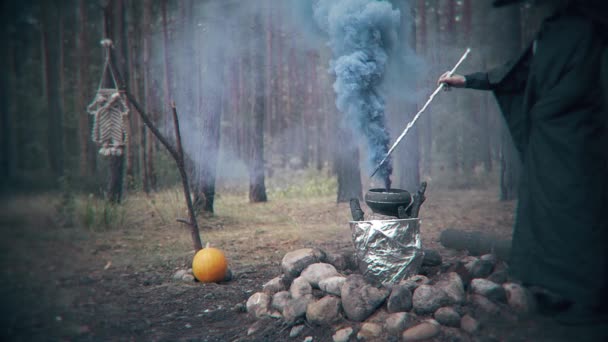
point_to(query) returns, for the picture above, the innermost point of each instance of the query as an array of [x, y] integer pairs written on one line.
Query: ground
[[107, 274]]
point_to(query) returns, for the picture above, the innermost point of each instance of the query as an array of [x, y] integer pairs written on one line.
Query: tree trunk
[[257, 187], [50, 55], [88, 152], [147, 139], [346, 161], [408, 160], [167, 70], [6, 117]]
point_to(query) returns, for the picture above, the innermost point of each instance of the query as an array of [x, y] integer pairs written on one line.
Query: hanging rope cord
[[107, 44]]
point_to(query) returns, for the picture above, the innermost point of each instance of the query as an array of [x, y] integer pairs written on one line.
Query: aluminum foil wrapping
[[388, 250]]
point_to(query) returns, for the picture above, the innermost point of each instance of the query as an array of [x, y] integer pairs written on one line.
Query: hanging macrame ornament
[[109, 110]]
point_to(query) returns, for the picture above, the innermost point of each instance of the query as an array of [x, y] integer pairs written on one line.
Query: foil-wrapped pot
[[388, 250]]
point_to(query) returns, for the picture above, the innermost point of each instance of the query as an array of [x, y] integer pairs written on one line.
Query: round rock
[[519, 298], [447, 316], [369, 331], [481, 268], [420, 332], [279, 300], [300, 287], [316, 272], [332, 285], [343, 335], [431, 258], [296, 330], [483, 305], [274, 285], [488, 289], [325, 311], [258, 304], [413, 282], [469, 324], [295, 309], [453, 286], [427, 299], [294, 262], [396, 322], [360, 298], [400, 299]]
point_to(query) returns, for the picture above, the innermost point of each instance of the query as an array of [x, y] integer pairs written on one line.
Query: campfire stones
[[332, 285], [295, 309], [427, 299], [488, 289], [317, 272], [400, 299], [294, 262], [258, 304], [296, 330], [396, 322], [369, 331], [360, 298], [279, 300], [481, 268], [414, 281], [519, 298], [447, 316], [324, 311], [469, 324], [431, 258], [300, 287], [483, 305], [274, 285], [453, 287], [422, 331], [343, 335]]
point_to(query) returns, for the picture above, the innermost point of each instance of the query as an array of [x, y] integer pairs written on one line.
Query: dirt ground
[[114, 284]]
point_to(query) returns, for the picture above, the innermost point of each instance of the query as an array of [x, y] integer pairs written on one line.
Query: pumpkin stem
[[207, 245]]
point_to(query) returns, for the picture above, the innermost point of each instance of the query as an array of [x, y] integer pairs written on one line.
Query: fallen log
[[477, 243]]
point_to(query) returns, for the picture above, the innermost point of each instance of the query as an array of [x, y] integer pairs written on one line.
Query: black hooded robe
[[553, 102]]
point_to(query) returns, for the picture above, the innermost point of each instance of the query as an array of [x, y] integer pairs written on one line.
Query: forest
[[252, 85], [279, 131]]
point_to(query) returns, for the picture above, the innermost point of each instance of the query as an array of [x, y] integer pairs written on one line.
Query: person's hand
[[457, 81]]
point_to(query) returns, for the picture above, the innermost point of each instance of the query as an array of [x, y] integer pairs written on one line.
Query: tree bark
[[167, 67], [50, 55], [408, 160], [147, 139], [88, 153], [257, 186]]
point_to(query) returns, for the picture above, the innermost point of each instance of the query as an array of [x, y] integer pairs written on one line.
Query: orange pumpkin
[[209, 265]]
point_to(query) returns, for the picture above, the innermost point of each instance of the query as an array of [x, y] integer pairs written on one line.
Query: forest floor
[[108, 276]]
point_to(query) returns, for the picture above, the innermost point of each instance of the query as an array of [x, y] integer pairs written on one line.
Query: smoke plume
[[361, 34]]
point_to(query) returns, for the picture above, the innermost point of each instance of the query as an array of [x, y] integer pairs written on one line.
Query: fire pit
[[387, 202]]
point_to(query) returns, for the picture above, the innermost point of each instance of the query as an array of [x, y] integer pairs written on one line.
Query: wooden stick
[[177, 154]]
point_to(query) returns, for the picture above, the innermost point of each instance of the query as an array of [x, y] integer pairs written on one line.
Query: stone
[[295, 309], [179, 274], [488, 289], [188, 278], [481, 268], [257, 326], [296, 330], [469, 324], [420, 332], [300, 287], [413, 282], [274, 285], [279, 300], [462, 271], [400, 299], [339, 261], [396, 322], [369, 331], [453, 286], [360, 298], [379, 316], [431, 258], [343, 335], [427, 299], [499, 277], [308, 339], [519, 298], [324, 311], [314, 273], [447, 316], [294, 262], [484, 305], [275, 314], [258, 304], [489, 257], [332, 285]]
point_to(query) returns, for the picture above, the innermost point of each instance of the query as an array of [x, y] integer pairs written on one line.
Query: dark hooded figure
[[554, 99]]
